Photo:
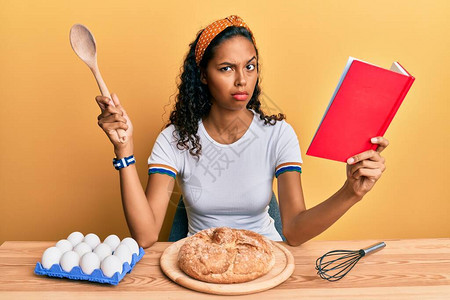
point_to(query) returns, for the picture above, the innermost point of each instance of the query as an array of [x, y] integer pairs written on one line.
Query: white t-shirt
[[231, 184]]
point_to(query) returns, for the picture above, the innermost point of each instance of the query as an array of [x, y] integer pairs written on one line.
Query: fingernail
[[350, 160], [373, 140]]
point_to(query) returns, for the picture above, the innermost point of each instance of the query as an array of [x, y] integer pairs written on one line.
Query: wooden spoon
[[83, 43]]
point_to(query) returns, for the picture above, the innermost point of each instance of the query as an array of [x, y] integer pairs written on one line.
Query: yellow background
[[56, 172]]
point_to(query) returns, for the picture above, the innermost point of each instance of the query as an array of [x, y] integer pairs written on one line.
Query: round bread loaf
[[226, 255]]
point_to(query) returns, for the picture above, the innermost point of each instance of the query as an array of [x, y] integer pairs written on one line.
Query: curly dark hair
[[193, 98]]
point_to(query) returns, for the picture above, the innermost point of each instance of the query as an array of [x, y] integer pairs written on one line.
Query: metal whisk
[[335, 264]]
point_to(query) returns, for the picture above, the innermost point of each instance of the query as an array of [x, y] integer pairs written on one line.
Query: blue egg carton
[[97, 276]]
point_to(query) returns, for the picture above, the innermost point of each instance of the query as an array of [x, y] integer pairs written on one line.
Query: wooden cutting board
[[283, 269]]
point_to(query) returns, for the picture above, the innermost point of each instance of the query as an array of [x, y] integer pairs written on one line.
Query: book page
[[397, 68]]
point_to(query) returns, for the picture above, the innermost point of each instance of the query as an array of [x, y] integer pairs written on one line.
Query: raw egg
[[75, 238], [102, 250], [124, 253], [82, 248], [89, 262], [50, 257], [92, 240], [69, 260], [64, 245], [113, 241], [110, 265], [132, 244]]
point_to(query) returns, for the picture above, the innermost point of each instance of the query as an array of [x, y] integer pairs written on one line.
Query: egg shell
[[82, 248], [64, 245], [124, 253], [75, 238], [103, 250], [132, 244], [50, 257], [89, 262], [69, 260], [110, 265], [113, 241], [92, 240]]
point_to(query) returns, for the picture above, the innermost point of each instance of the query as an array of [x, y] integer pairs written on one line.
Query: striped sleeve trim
[[286, 167], [162, 169]]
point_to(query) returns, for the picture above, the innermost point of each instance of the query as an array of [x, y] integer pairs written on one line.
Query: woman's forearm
[[313, 221], [138, 213]]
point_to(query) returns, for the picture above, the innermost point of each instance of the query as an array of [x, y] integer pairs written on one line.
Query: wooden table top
[[404, 269]]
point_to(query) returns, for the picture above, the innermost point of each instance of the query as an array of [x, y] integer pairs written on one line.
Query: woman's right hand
[[113, 118]]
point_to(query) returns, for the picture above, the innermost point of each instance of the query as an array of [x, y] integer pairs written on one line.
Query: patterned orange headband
[[213, 29]]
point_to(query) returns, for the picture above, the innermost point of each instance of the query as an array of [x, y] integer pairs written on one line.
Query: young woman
[[224, 151]]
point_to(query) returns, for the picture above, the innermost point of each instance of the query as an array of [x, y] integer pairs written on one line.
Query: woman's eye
[[252, 67]]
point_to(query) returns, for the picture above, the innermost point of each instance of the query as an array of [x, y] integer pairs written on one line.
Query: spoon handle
[[105, 92]]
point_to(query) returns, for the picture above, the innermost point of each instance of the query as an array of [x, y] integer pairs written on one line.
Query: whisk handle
[[374, 248]]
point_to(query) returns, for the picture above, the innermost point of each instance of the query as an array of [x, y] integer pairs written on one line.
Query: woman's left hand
[[364, 169]]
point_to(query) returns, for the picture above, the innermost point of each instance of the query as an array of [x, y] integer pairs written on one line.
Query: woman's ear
[[203, 76]]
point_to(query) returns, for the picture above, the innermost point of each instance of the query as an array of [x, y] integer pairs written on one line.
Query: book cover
[[363, 105]]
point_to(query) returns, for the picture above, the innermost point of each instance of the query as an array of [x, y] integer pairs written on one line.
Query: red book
[[363, 105]]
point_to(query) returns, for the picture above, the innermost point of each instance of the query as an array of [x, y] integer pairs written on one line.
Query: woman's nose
[[240, 78]]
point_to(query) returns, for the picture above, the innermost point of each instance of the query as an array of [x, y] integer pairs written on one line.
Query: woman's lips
[[240, 97]]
